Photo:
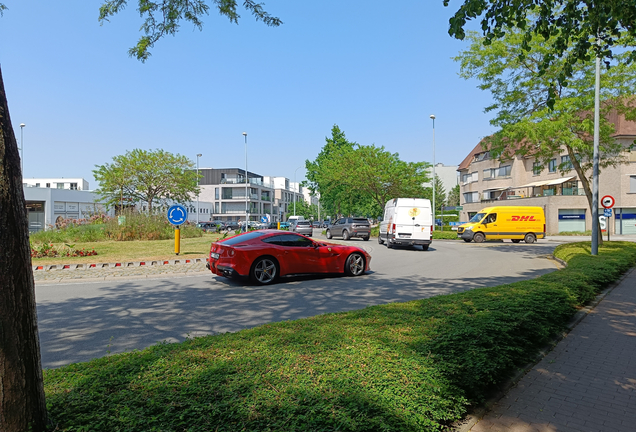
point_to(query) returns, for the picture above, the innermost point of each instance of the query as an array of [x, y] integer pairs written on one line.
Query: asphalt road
[[79, 321]]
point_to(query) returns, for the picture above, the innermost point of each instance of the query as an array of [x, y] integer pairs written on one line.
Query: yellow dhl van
[[507, 222]]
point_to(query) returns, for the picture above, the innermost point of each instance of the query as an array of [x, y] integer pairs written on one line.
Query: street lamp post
[[432, 116], [247, 209], [296, 170], [22, 125], [198, 156]]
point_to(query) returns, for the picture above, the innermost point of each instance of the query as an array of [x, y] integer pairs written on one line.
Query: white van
[[408, 222], [295, 218]]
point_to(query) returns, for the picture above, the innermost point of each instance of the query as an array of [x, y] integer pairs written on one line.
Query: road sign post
[[608, 202], [177, 215]]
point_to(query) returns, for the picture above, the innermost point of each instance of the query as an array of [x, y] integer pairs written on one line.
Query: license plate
[[214, 255]]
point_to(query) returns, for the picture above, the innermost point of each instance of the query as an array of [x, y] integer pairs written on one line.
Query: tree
[[333, 195], [22, 402], [308, 211], [528, 125], [577, 30], [440, 195], [453, 196], [363, 178], [147, 176]]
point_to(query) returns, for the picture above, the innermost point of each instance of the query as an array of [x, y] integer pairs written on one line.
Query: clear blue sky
[[377, 69]]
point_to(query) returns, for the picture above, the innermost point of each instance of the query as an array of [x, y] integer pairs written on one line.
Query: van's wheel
[[380, 240], [264, 271], [345, 235], [467, 240], [328, 234], [389, 245], [355, 264], [479, 238], [530, 238], [516, 240], [425, 247]]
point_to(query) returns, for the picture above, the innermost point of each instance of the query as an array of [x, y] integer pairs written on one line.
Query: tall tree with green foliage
[[361, 179], [333, 196], [577, 31], [529, 126], [147, 177], [22, 401], [453, 196]]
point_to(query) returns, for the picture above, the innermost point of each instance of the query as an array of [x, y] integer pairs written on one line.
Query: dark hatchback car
[[350, 227], [231, 225]]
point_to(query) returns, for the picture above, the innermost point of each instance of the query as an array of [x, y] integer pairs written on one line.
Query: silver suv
[[350, 227], [302, 227]]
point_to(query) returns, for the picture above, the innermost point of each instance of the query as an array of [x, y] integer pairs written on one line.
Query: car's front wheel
[[328, 234], [264, 271], [355, 264], [479, 238]]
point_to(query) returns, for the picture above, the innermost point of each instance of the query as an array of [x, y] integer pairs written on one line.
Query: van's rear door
[[413, 222]]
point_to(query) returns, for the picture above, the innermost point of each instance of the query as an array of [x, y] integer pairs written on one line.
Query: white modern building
[[57, 183]]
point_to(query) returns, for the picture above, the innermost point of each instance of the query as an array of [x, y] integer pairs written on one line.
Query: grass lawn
[[414, 366], [118, 251]]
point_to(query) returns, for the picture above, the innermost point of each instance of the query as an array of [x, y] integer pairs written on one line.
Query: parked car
[[302, 227], [208, 226], [267, 255], [350, 227], [232, 225]]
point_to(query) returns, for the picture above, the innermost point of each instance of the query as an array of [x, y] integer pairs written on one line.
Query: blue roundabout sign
[[177, 214]]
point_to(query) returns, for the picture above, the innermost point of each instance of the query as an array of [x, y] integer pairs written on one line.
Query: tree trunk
[[586, 188], [22, 404]]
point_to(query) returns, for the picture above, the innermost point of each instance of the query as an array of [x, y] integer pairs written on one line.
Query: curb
[[467, 423], [127, 264]]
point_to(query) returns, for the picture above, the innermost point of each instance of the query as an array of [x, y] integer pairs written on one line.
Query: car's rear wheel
[[467, 240], [380, 241], [355, 264], [345, 235], [365, 238], [479, 238], [530, 238], [516, 240], [425, 247], [328, 234], [264, 270]]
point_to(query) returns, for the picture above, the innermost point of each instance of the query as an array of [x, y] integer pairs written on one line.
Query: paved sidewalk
[[587, 383]]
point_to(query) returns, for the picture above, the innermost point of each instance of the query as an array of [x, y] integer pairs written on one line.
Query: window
[[566, 163], [73, 186], [504, 171], [488, 174], [216, 193], [48, 185], [37, 185], [632, 184], [470, 197], [60, 185], [537, 167], [552, 165], [469, 178]]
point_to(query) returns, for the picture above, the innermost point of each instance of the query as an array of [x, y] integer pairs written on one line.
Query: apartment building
[[226, 188], [486, 182], [57, 183]]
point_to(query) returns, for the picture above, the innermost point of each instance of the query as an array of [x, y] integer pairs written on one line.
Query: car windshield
[[477, 218], [243, 237], [355, 220]]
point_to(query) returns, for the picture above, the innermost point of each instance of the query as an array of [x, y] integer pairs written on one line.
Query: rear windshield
[[360, 220], [243, 237], [303, 223]]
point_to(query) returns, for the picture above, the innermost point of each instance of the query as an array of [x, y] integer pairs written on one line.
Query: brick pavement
[[587, 383]]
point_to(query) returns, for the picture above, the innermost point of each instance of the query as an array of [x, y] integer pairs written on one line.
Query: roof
[[469, 159]]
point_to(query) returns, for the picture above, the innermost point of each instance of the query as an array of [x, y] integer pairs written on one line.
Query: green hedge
[[409, 366]]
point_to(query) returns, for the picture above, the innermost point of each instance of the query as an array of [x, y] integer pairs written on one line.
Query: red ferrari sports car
[[265, 255]]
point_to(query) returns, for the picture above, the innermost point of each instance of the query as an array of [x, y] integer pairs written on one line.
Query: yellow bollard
[[278, 225], [177, 241]]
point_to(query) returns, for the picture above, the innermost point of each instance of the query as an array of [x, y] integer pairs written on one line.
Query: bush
[[49, 251], [414, 366]]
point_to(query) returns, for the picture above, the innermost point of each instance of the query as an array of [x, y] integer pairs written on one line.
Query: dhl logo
[[523, 218]]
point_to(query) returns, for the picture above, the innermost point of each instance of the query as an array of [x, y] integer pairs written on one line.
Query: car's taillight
[[230, 252], [544, 228], [393, 228]]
